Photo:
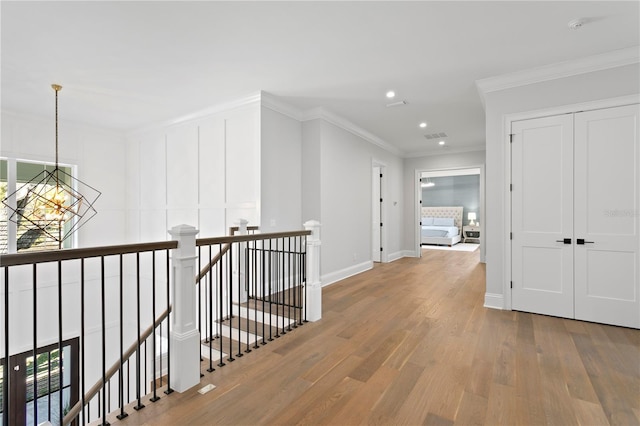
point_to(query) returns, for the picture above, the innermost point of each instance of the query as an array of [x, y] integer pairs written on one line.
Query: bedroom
[[450, 209]]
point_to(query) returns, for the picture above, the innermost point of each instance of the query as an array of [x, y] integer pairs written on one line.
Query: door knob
[[581, 241], [566, 241]]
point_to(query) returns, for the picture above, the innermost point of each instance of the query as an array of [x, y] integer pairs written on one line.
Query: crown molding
[[343, 123], [252, 99], [612, 59], [273, 103]]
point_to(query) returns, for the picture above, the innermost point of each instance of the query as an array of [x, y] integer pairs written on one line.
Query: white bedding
[[439, 231]]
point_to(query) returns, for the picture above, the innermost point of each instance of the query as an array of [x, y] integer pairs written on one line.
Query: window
[[15, 175], [52, 372]]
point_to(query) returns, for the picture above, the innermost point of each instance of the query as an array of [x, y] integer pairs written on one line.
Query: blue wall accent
[[454, 191]]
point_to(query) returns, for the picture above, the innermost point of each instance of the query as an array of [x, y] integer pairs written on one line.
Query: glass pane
[[38, 227], [48, 382]]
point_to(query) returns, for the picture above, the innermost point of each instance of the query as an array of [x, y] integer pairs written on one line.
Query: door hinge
[[380, 248], [511, 137], [380, 199], [381, 224], [381, 175], [420, 223], [511, 284], [510, 187], [511, 235]]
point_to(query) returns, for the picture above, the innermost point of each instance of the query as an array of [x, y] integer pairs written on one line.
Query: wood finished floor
[[409, 343]]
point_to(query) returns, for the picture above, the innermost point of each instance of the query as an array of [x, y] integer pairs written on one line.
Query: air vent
[[436, 136]]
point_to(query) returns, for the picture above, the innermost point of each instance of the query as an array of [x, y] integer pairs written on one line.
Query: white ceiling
[[126, 65]]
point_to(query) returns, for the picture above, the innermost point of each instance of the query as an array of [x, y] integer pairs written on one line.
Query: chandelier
[[51, 204]]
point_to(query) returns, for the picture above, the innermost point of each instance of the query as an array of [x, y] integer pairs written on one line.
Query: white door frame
[[384, 255], [507, 120], [418, 198]]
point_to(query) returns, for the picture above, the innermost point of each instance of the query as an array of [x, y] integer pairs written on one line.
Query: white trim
[[493, 301], [343, 123], [613, 59], [400, 254], [507, 120], [350, 271], [252, 99], [273, 103]]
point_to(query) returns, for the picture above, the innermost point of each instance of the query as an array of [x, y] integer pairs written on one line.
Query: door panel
[[607, 158], [542, 215]]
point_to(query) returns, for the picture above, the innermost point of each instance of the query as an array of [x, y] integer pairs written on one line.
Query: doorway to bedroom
[[450, 209]]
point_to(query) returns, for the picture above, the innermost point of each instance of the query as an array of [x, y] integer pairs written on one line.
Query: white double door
[[576, 216]]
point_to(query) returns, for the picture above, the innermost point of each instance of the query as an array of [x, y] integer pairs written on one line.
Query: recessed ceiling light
[[423, 125], [441, 143], [391, 94]]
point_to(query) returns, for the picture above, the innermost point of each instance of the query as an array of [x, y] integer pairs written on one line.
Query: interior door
[[376, 216], [607, 219], [542, 215]]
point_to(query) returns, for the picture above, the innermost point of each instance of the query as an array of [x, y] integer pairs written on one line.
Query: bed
[[441, 225]]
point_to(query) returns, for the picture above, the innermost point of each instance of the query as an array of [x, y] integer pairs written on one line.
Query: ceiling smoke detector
[[576, 24]]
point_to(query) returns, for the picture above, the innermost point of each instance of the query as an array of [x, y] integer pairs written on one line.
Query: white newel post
[[184, 336], [242, 230], [314, 286]]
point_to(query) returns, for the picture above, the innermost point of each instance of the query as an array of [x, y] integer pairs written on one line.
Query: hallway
[[408, 343]]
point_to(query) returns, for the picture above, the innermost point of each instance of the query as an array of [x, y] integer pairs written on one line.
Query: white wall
[[610, 83], [204, 172], [281, 172], [345, 161], [97, 153]]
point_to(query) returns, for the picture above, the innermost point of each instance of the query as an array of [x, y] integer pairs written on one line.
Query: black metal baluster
[[304, 277], [5, 366], [82, 339], [230, 301], [246, 286], [60, 358], [239, 354], [155, 396], [289, 289], [139, 405], [270, 292], [168, 390], [104, 344], [279, 293], [255, 293], [210, 307], [35, 344], [122, 414], [264, 285], [219, 316]]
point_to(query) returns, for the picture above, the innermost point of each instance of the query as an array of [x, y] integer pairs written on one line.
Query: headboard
[[454, 212]]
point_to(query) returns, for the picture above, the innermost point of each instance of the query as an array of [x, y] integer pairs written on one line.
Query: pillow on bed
[[443, 221], [428, 221]]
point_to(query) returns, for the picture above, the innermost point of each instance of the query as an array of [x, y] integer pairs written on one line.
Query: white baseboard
[[400, 254], [333, 277], [494, 301]]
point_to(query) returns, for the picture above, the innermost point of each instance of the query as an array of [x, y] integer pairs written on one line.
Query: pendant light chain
[[57, 88]]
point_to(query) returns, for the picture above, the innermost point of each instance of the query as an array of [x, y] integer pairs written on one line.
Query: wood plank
[[410, 343]]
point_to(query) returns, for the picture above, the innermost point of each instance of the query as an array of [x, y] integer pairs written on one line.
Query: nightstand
[[470, 232]]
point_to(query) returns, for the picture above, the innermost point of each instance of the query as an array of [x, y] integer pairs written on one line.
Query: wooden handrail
[[252, 237], [223, 250], [28, 258], [75, 410]]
